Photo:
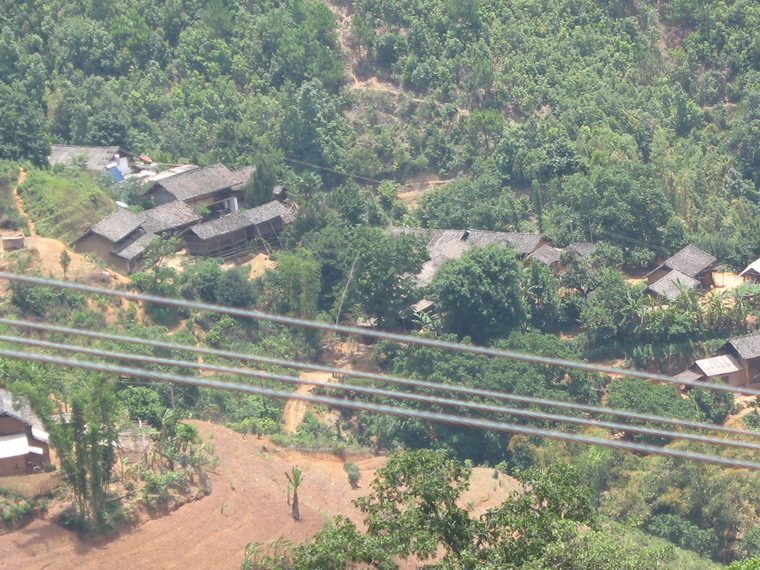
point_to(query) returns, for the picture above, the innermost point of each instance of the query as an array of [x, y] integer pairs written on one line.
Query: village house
[[216, 188], [120, 238], [723, 367], [551, 256], [737, 364], [689, 268], [23, 441], [746, 351], [443, 245], [230, 235], [751, 273], [112, 159]]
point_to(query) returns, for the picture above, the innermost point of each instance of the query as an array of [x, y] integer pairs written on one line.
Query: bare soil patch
[[247, 503], [414, 187]]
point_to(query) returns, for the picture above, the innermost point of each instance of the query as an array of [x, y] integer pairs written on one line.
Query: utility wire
[[383, 335], [406, 412], [380, 392], [424, 384]]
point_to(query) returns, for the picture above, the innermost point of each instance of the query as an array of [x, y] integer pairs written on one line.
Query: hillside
[[541, 162], [247, 504]]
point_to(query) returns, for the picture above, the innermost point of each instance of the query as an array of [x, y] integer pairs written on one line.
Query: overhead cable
[[365, 406], [424, 384], [410, 396], [382, 335]]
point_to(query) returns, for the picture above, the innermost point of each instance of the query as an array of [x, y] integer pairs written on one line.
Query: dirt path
[[295, 410], [20, 204], [346, 356]]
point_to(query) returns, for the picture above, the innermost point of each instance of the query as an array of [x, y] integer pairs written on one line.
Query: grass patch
[[10, 218], [64, 204]]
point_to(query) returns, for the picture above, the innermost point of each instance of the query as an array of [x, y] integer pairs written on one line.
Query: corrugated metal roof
[[97, 157], [718, 365]]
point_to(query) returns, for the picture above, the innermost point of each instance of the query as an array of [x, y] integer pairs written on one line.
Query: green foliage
[[233, 288], [480, 294], [353, 472], [143, 404], [10, 217], [64, 204], [23, 136], [643, 396]]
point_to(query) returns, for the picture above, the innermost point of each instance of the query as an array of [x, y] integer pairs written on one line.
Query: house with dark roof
[[671, 285], [690, 261], [547, 255], [443, 245], [121, 237], [230, 235], [23, 440], [746, 351], [215, 187]]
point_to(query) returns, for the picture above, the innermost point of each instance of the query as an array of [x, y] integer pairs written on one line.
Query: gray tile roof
[[672, 285], [451, 244], [136, 248], [690, 261], [117, 225], [747, 347], [168, 216], [582, 248], [689, 376], [97, 156], [201, 182], [546, 254], [240, 220]]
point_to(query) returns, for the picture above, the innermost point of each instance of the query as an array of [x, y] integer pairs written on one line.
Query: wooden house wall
[[14, 465], [10, 425]]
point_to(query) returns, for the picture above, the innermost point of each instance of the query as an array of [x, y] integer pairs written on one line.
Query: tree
[[65, 261], [481, 293], [234, 289], [353, 472], [23, 136], [295, 478], [85, 448], [412, 508]]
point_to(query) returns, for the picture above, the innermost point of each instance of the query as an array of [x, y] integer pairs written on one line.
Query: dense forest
[[629, 123]]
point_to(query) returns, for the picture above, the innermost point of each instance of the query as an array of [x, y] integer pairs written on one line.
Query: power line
[[382, 335], [364, 406], [383, 378], [382, 392]]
